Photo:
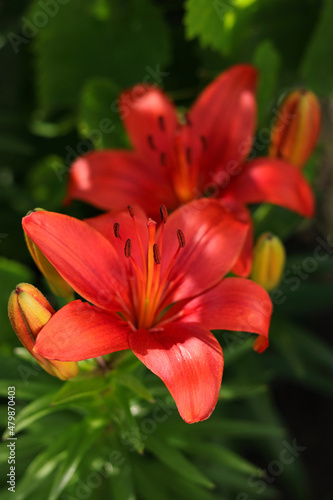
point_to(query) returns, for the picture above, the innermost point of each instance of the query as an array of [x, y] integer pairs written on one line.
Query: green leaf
[[134, 384], [99, 120], [268, 61], [99, 43], [77, 389], [240, 429], [220, 25], [83, 436], [176, 461], [317, 64], [34, 411], [45, 181], [236, 391]]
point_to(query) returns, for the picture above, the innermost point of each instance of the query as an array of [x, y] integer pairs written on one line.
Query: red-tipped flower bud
[[296, 128], [29, 311], [57, 284], [268, 261]]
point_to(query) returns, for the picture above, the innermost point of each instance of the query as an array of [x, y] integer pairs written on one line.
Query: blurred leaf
[[220, 24], [99, 119], [176, 461], [317, 64], [277, 220], [96, 45], [77, 389], [226, 428], [268, 61], [45, 182], [134, 384], [82, 437], [236, 391]]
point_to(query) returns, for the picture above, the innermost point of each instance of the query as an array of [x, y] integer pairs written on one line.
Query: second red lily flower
[[173, 162]]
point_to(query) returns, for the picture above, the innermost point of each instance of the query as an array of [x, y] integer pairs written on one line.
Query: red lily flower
[[173, 163], [157, 291]]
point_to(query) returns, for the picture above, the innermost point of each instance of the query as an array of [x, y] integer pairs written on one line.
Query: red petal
[[214, 239], [83, 257], [81, 331], [225, 116], [104, 224], [234, 304], [273, 181], [189, 360], [151, 121], [111, 180]]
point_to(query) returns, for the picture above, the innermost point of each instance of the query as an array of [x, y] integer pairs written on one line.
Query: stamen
[[151, 143], [187, 119], [161, 122], [162, 159], [130, 211], [204, 142], [128, 248], [181, 238], [164, 213], [157, 254], [116, 230], [188, 156]]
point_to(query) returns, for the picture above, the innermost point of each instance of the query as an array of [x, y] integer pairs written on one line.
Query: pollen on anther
[[116, 229], [157, 254], [164, 213], [128, 248], [151, 143], [161, 123], [130, 211], [181, 238]]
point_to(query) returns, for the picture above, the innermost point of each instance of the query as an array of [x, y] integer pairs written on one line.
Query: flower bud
[[28, 312], [57, 283], [268, 261], [296, 128]]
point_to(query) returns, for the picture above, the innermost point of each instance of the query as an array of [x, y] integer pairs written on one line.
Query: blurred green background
[[63, 64]]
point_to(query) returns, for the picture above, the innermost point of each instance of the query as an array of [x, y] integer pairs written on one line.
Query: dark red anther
[[162, 159], [151, 143], [203, 142], [116, 230], [187, 119], [157, 254], [164, 213], [181, 238], [130, 211], [188, 156], [161, 123], [128, 248]]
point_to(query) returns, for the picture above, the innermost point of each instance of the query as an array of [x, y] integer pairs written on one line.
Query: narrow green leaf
[[317, 66], [83, 436], [77, 389], [176, 461], [268, 61], [134, 384]]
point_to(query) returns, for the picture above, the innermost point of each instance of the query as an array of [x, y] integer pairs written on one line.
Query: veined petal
[[273, 181], [83, 257], [234, 304], [110, 180], [223, 119], [151, 121], [189, 360], [80, 331], [214, 239]]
